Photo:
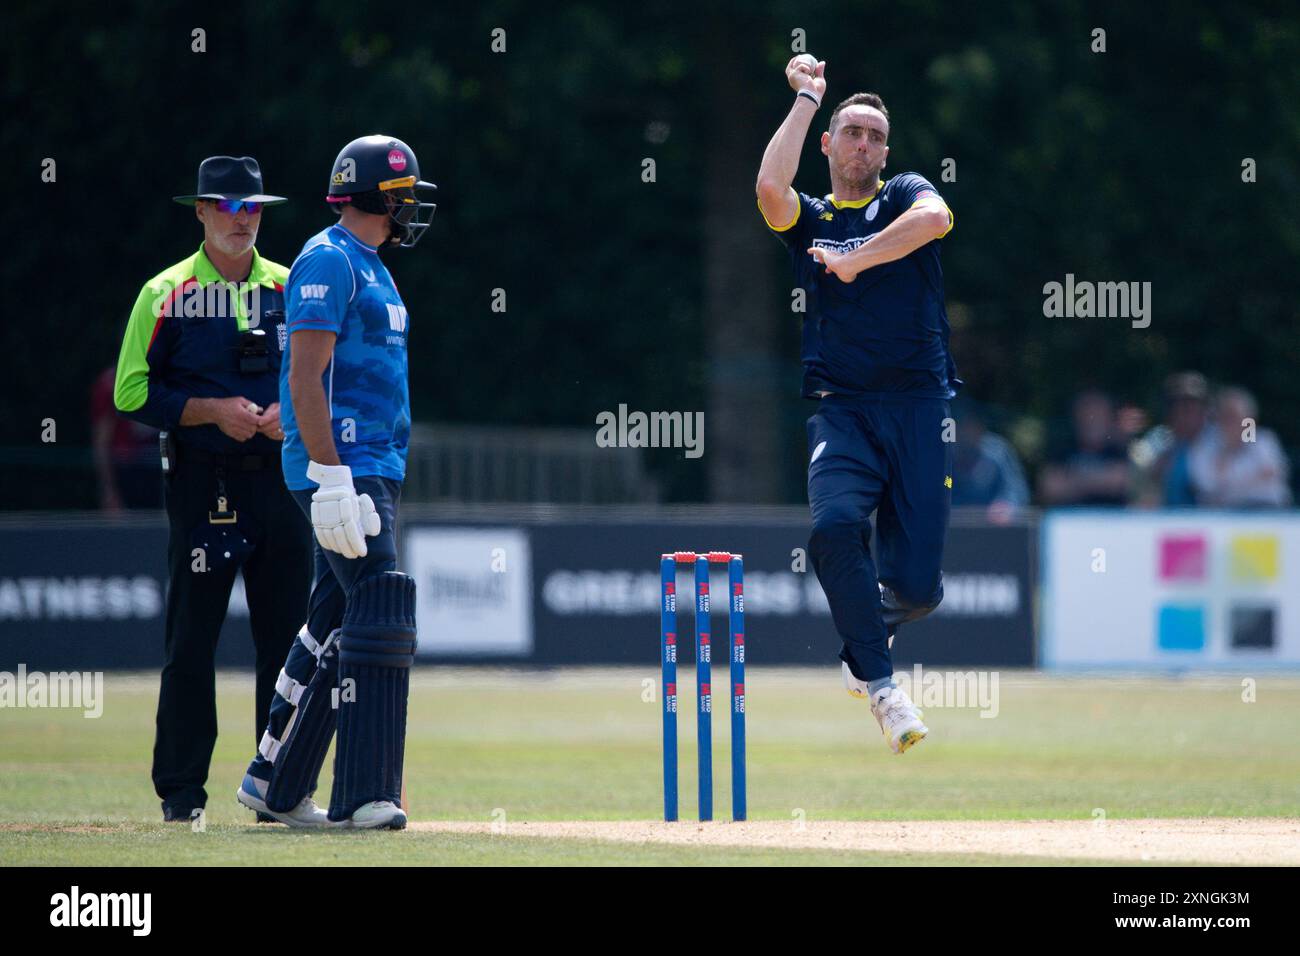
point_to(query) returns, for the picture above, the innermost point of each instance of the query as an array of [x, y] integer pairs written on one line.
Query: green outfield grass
[[584, 745]]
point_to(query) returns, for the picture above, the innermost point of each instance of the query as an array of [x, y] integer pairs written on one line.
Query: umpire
[[201, 361]]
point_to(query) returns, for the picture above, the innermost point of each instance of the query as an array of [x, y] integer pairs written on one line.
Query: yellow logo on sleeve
[[947, 481]]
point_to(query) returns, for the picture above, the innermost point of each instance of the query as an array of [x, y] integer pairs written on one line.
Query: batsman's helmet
[[379, 174]]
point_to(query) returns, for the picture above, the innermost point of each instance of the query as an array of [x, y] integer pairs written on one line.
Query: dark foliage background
[[1117, 166]]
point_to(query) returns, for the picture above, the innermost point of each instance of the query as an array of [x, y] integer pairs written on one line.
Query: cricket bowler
[[346, 414], [875, 358]]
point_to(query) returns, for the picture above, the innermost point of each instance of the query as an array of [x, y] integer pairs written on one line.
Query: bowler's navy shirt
[[887, 330]]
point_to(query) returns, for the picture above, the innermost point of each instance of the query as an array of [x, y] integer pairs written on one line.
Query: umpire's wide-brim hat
[[230, 177]]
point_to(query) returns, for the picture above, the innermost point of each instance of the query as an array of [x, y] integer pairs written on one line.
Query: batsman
[[345, 410], [875, 357]]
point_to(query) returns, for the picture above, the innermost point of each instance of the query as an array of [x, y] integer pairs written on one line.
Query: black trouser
[[277, 581]]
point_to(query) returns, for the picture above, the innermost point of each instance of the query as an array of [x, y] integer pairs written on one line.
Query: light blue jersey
[[338, 284]]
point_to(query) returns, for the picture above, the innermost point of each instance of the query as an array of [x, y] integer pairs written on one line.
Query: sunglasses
[[232, 206]]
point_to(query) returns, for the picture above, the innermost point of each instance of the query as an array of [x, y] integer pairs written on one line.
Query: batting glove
[[342, 518]]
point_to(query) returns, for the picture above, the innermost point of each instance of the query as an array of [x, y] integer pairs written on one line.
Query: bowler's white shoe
[[378, 815], [252, 794], [899, 719], [858, 688]]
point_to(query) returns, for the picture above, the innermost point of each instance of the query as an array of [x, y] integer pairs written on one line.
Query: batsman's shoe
[[252, 794], [378, 815], [899, 719]]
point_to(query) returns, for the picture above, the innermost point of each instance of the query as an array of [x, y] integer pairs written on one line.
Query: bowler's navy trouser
[[882, 453]]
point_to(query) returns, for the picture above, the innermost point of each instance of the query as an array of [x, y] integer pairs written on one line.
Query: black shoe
[[174, 813], [265, 818]]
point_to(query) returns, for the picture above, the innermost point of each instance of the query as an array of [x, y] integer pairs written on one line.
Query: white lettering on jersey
[[397, 317], [314, 291], [836, 245]]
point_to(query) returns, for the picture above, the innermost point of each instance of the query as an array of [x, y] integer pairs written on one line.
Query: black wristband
[[810, 95]]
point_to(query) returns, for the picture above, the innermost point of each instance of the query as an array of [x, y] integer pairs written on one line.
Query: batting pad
[[298, 750], [376, 650]]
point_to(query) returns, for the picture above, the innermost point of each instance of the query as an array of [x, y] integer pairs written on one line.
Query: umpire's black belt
[[228, 462]]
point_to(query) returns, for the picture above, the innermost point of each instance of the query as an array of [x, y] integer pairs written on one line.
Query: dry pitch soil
[[1257, 841]]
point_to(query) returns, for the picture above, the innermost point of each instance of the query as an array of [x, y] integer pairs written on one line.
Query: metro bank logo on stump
[[1250, 566]]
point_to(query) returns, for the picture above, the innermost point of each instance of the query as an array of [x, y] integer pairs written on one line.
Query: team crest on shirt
[[872, 210]]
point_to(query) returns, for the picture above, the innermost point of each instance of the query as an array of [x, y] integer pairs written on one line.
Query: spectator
[[1161, 455], [126, 453], [985, 470], [1093, 468], [1236, 464]]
